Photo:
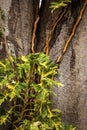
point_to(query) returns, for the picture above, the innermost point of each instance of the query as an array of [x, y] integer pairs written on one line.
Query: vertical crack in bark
[[45, 15], [72, 61]]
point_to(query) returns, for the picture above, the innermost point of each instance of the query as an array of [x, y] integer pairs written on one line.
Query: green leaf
[[2, 64], [43, 110], [56, 110], [24, 58], [3, 119], [59, 4], [28, 85]]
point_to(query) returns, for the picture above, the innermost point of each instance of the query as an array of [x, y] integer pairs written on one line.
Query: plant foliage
[[26, 87], [60, 3]]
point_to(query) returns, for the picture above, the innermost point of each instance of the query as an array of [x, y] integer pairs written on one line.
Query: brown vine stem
[[37, 18], [49, 33], [59, 18], [59, 59], [34, 34]]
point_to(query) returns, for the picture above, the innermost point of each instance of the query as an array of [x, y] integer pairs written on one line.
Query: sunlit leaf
[[27, 87], [59, 4], [24, 58], [2, 64]]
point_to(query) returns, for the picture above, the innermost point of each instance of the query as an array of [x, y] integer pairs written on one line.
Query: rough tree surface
[[18, 22]]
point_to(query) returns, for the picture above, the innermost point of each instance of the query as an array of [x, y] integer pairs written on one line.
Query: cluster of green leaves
[[60, 3], [26, 87]]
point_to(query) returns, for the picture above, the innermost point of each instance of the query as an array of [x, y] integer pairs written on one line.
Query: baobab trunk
[[52, 32]]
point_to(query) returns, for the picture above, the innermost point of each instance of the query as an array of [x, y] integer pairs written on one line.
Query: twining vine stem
[[49, 33], [59, 59], [34, 34], [35, 27]]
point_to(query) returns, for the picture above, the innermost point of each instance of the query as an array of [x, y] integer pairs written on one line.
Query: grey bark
[[72, 99], [18, 23]]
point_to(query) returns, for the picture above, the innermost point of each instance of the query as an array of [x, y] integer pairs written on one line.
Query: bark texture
[[72, 99], [19, 22]]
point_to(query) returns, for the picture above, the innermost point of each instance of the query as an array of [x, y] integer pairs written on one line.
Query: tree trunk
[[18, 22], [51, 35], [72, 99]]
